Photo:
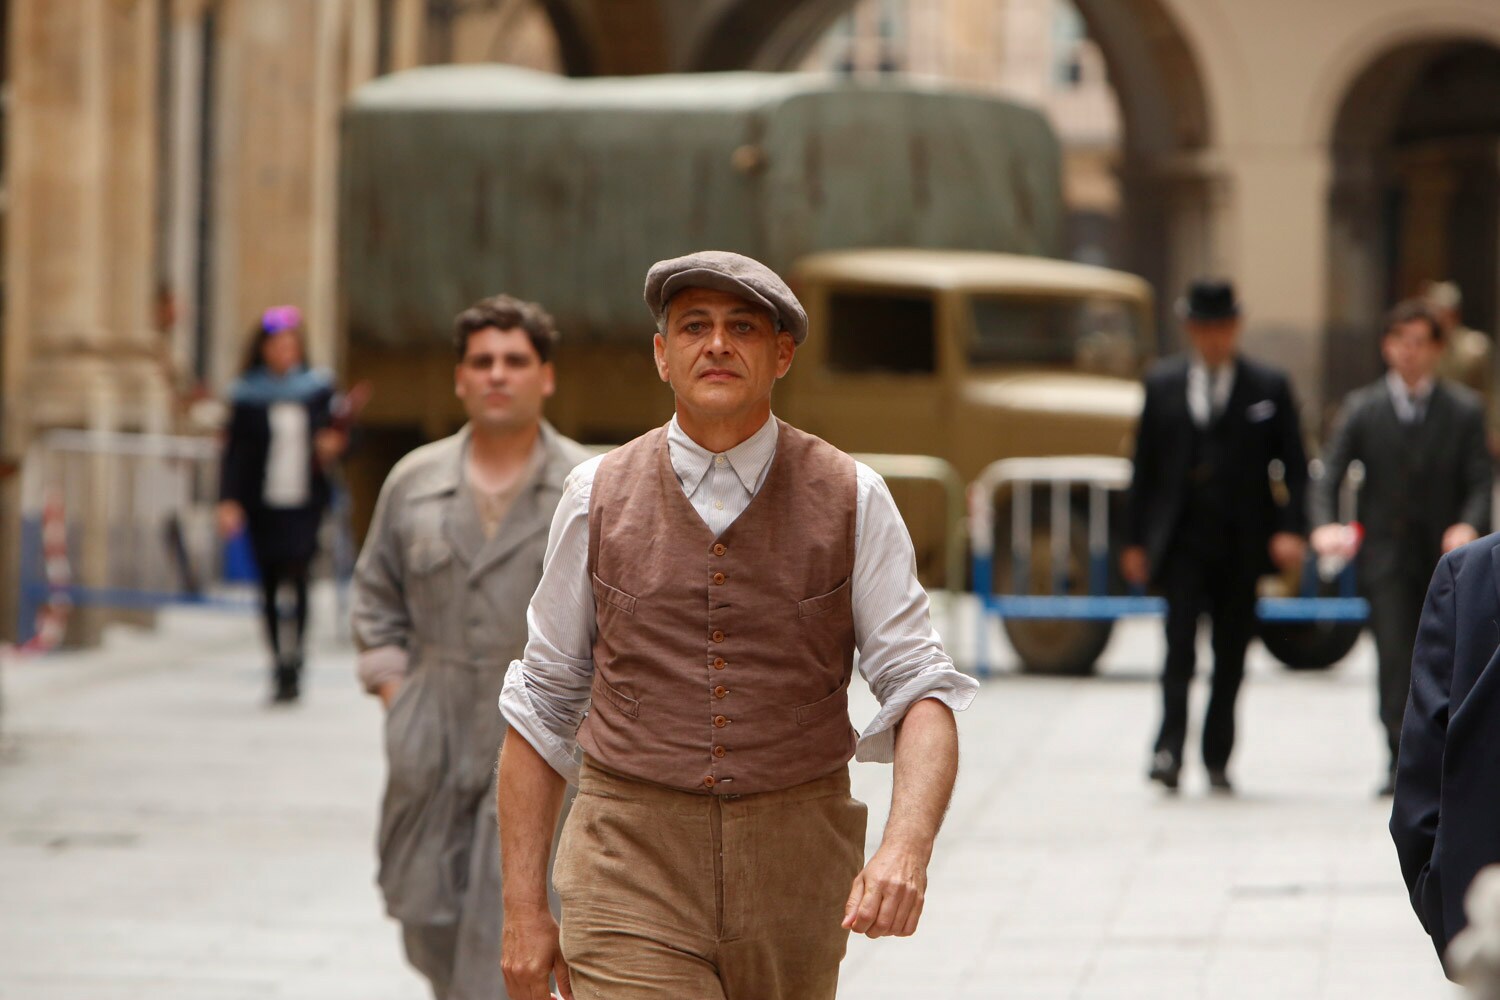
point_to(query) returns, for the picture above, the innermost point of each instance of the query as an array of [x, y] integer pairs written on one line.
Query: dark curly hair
[[504, 312]]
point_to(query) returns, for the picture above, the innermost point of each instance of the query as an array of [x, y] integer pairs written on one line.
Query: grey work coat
[[438, 603]]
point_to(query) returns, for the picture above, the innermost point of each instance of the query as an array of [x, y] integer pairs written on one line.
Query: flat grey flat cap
[[726, 272]]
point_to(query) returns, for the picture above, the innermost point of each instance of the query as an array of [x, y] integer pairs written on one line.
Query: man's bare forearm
[[528, 800], [926, 767]]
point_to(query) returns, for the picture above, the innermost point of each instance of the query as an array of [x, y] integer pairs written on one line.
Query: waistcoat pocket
[[823, 707], [605, 594], [623, 702], [825, 602]]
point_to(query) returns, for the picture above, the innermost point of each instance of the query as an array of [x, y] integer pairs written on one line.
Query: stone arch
[[1413, 193], [1152, 66], [1151, 63]]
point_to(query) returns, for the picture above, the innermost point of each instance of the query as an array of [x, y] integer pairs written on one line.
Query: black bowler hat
[[1209, 300]]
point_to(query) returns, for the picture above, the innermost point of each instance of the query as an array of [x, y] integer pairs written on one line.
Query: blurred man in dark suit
[[1426, 492], [1202, 519]]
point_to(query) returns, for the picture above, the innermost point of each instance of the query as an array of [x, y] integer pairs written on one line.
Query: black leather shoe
[[1166, 769], [1218, 781], [288, 681]]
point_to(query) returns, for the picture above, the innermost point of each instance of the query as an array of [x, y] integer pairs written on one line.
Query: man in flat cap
[[705, 590], [1203, 520]]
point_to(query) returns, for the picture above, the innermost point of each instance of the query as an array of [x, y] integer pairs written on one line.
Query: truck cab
[[968, 355]]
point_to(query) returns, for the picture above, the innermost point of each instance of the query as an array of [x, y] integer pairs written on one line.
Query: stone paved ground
[[164, 835]]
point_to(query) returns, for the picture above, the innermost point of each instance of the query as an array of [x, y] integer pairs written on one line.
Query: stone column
[[80, 348], [285, 67], [1277, 252]]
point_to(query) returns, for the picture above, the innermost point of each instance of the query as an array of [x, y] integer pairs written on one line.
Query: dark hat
[[726, 272], [1209, 300]]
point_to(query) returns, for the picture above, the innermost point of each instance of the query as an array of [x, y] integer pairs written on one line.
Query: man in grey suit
[[439, 611], [1426, 491]]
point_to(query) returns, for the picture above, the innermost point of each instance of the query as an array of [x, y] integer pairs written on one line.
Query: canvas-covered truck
[[916, 224]]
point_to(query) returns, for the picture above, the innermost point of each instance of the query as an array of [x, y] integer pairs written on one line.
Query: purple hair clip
[[279, 318]]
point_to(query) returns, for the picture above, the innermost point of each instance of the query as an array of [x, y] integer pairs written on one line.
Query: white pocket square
[[1264, 410]]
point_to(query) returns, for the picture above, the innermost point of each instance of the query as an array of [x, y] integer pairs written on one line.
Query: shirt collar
[[691, 461], [1399, 388]]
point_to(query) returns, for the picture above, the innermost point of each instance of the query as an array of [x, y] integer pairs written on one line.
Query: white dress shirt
[[1208, 392], [1410, 401], [546, 692], [288, 458]]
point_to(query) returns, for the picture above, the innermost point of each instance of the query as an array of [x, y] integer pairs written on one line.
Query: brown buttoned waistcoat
[[722, 665]]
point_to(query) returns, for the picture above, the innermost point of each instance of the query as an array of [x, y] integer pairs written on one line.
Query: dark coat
[[1445, 818], [247, 442], [1418, 481], [1259, 424]]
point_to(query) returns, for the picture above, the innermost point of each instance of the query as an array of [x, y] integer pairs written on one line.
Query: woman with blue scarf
[[280, 438]]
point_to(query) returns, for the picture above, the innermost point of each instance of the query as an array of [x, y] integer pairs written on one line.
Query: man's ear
[[786, 349], [549, 379], [659, 348]]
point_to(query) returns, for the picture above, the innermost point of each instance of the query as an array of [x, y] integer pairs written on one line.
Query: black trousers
[[1395, 611], [1199, 582]]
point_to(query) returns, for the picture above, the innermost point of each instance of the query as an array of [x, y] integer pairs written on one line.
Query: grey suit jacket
[[1418, 481], [435, 601]]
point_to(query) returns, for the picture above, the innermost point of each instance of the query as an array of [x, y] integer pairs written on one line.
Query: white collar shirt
[[1208, 392], [546, 691], [720, 486], [1410, 402]]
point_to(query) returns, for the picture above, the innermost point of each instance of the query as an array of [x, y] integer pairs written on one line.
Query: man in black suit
[[1445, 818], [1203, 520], [1426, 491]]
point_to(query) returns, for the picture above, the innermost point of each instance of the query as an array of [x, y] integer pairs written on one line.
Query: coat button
[[708, 781], [719, 579], [719, 663], [717, 636], [720, 691], [719, 752], [719, 549], [720, 721]]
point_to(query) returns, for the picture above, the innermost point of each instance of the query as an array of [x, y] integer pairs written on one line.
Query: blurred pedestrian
[[707, 587], [1445, 818], [279, 444], [1468, 354], [1426, 491], [1203, 521], [439, 608]]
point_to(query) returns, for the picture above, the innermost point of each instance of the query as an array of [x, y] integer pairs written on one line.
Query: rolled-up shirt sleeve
[[900, 654], [546, 692]]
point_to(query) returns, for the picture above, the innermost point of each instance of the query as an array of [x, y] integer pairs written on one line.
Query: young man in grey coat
[[439, 610]]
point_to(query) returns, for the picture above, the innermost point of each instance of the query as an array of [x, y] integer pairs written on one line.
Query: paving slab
[[165, 834]]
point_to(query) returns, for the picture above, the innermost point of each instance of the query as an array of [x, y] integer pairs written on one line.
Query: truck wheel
[[1055, 646], [1310, 645]]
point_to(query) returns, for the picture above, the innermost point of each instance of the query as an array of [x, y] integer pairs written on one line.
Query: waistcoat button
[[717, 636], [719, 663], [720, 691], [719, 751], [720, 721], [708, 781], [719, 549], [719, 579]]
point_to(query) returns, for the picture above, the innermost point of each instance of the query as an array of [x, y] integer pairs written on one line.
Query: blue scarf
[[260, 387]]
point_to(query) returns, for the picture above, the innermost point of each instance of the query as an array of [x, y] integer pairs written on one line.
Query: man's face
[[721, 354], [1213, 340], [502, 380], [1411, 351]]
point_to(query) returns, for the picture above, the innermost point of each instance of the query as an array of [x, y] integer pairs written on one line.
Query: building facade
[[169, 166]]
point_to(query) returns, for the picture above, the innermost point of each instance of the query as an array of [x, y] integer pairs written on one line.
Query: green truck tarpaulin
[[464, 181]]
